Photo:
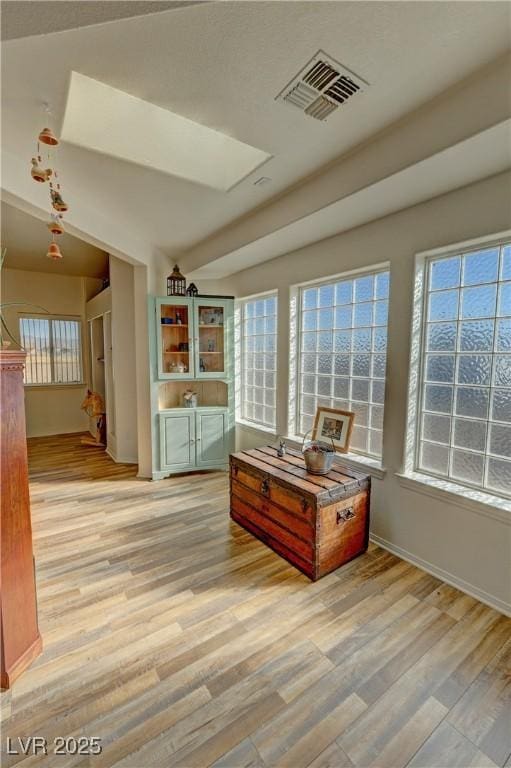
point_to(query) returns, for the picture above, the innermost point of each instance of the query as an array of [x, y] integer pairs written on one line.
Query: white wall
[[457, 543], [143, 386], [125, 448], [50, 410]]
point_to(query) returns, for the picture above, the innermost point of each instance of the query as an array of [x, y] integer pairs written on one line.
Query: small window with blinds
[[54, 350]]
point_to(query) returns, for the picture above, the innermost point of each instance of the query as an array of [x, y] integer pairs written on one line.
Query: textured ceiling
[[24, 18], [221, 65], [26, 239]]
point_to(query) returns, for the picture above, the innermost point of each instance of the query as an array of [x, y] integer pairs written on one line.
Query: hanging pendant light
[[47, 137], [54, 252]]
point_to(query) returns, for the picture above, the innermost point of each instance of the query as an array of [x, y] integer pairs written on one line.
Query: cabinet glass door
[[175, 358], [210, 356]]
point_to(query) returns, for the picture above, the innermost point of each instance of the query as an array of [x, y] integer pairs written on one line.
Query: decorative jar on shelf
[[190, 399]]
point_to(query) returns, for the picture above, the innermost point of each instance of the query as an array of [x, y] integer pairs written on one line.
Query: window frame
[[239, 360], [52, 317], [296, 332], [416, 382]]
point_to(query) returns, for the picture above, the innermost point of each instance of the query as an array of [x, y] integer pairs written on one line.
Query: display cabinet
[[192, 351], [192, 337]]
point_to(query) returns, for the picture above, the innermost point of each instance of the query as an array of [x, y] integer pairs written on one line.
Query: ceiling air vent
[[321, 87]]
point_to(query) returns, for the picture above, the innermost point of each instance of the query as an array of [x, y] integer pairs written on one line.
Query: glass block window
[[259, 360], [54, 350], [342, 354], [465, 415]]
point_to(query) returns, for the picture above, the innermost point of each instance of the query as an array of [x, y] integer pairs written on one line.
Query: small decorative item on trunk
[[319, 456], [190, 398], [176, 283], [281, 450]]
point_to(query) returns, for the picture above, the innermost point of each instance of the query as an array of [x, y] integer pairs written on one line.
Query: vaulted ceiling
[[222, 65]]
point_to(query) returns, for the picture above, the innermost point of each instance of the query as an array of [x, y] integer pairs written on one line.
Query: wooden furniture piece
[[21, 641], [315, 522], [192, 348]]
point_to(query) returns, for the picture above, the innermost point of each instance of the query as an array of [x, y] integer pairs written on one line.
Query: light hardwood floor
[[179, 640]]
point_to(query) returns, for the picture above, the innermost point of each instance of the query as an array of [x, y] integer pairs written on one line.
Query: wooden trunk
[[21, 641], [315, 522]]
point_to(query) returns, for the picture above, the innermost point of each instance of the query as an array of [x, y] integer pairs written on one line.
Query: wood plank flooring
[[179, 640]]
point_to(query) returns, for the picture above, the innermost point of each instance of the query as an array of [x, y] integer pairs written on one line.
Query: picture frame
[[334, 425]]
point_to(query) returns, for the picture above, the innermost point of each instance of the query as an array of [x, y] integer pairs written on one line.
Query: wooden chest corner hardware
[[317, 523]]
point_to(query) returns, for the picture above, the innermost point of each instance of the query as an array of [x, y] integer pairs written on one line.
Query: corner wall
[[464, 547]]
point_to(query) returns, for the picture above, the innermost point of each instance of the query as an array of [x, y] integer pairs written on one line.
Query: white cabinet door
[[212, 438], [177, 440]]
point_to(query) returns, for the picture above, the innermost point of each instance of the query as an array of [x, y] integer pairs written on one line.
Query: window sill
[[74, 385], [467, 498], [361, 463], [253, 427]]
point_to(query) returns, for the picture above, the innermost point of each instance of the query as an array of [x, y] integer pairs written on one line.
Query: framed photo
[[331, 424]]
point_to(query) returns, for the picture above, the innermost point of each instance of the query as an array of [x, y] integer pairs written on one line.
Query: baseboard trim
[[449, 578], [166, 474], [119, 459], [83, 431], [27, 657]]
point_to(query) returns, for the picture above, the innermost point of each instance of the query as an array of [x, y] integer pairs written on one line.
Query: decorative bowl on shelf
[[167, 321]]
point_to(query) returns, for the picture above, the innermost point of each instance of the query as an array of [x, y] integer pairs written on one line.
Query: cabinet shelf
[[210, 325], [211, 353], [174, 325], [177, 353]]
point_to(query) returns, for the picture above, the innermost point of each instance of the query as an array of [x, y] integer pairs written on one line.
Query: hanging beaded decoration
[[48, 141]]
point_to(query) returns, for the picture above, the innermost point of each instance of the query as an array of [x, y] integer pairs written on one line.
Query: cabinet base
[[195, 471], [8, 676]]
